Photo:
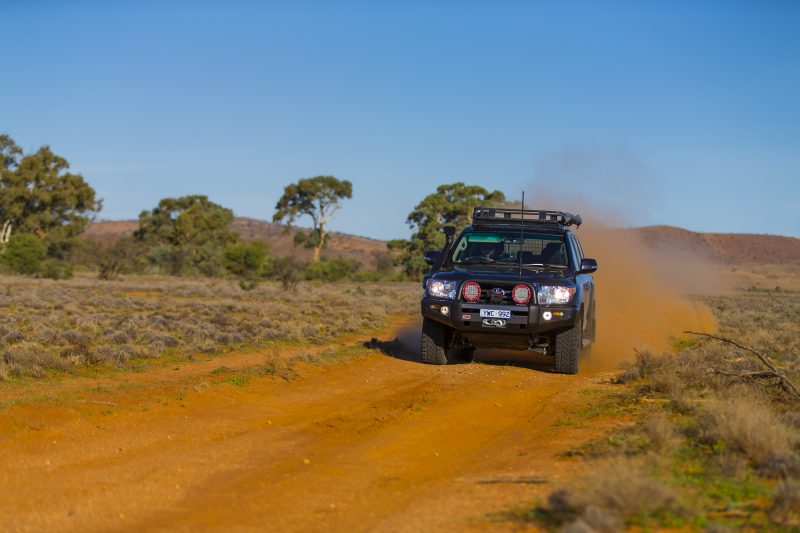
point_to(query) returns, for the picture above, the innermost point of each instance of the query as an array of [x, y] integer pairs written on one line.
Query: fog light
[[547, 315], [445, 310]]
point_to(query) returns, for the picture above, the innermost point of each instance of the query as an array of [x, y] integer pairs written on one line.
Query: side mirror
[[431, 256], [587, 266]]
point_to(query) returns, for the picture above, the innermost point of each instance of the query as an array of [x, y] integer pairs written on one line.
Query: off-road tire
[[567, 349], [433, 346]]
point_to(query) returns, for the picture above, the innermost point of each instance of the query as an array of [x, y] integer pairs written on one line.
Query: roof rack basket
[[493, 216]]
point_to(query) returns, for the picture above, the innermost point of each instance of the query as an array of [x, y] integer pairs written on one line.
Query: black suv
[[516, 279]]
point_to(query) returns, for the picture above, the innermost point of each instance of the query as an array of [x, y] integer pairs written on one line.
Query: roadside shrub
[[660, 431], [747, 426], [24, 253], [621, 491], [626, 488]]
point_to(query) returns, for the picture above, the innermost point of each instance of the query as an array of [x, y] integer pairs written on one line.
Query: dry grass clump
[[47, 325], [622, 491], [747, 426], [283, 367], [660, 432], [29, 359], [626, 488]]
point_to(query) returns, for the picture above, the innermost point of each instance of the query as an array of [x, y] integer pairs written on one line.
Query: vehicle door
[[586, 282]]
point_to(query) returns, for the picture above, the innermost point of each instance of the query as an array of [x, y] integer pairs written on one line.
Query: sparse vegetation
[[47, 326], [714, 439]]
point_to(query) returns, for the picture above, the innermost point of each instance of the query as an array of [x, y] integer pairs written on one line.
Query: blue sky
[[681, 113]]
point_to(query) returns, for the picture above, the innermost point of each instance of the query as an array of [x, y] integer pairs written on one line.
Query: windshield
[[509, 248]]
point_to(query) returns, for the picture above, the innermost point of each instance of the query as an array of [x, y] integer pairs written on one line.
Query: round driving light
[[444, 310], [521, 294], [547, 315], [471, 291]]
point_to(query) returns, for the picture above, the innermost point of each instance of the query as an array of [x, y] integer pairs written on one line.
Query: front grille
[[486, 294]]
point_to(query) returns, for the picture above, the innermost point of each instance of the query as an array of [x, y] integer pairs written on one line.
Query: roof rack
[[486, 216]]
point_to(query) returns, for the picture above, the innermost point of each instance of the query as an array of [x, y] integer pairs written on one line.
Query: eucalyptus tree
[[318, 198]]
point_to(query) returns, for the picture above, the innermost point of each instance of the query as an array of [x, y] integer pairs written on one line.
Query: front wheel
[[567, 348], [433, 345]]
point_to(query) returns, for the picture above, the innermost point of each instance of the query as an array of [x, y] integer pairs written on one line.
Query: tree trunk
[[318, 247], [5, 234]]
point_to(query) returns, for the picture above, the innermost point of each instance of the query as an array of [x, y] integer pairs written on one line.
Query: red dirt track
[[373, 443]]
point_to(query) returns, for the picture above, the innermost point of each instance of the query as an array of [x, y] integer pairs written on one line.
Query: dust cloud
[[643, 295]]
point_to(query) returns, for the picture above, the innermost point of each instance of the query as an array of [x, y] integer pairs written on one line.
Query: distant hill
[[725, 248], [362, 249], [720, 248]]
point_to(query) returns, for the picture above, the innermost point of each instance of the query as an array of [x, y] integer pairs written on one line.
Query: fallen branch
[[784, 382], [766, 374]]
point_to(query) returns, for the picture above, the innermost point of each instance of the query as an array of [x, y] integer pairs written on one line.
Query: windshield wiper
[[548, 265], [476, 262]]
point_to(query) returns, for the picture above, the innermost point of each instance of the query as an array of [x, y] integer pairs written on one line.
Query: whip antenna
[[521, 232]]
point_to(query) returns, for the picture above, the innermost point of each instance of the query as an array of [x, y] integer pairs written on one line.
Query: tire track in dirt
[[376, 443]]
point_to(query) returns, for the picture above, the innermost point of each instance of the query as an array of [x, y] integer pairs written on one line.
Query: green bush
[[54, 269], [336, 269], [287, 270], [368, 275], [246, 259], [24, 253]]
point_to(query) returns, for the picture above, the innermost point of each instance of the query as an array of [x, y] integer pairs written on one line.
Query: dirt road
[[377, 442]]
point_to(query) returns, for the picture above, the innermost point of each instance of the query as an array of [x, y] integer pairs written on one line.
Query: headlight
[[552, 294], [442, 289]]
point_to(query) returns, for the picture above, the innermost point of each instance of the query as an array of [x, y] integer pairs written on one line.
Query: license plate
[[495, 313]]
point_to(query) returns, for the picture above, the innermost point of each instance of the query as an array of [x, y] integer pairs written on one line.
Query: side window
[[459, 249]]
